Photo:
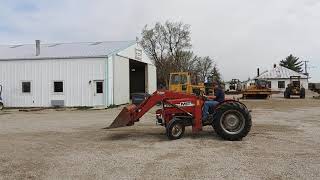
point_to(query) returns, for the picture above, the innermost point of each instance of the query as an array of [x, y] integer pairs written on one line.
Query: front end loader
[[230, 119]]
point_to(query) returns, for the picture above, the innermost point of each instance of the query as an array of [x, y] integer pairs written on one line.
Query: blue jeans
[[207, 106]]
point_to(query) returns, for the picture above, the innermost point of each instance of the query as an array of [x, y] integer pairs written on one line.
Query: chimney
[[37, 47], [274, 65], [258, 72]]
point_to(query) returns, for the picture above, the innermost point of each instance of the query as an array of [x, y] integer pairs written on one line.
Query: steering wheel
[[203, 96]]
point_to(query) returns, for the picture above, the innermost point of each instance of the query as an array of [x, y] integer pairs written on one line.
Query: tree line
[[169, 46]]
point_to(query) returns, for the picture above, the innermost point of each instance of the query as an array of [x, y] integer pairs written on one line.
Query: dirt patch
[[262, 128], [283, 144]]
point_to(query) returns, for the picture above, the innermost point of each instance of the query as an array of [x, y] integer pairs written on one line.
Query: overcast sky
[[241, 35]]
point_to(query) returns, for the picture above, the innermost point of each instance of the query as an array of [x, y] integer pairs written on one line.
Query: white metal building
[[279, 78], [74, 74]]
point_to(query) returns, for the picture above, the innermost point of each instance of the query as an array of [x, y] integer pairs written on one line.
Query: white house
[[279, 78], [74, 74]]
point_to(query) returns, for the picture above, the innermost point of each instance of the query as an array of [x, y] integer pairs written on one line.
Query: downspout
[[106, 99]]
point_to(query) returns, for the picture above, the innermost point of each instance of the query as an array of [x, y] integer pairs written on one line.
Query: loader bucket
[[124, 118]]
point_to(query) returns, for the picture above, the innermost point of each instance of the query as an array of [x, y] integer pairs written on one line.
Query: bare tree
[[204, 67], [177, 37], [168, 46], [215, 73]]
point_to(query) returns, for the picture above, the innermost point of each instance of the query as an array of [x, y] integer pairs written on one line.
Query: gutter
[[54, 58]]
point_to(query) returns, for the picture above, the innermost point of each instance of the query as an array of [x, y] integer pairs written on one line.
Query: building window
[[281, 84], [99, 87], [58, 87], [26, 87]]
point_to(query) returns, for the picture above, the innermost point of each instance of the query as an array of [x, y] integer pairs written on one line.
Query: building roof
[[63, 50], [280, 72]]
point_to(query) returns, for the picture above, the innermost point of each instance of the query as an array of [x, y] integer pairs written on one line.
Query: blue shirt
[[219, 94]]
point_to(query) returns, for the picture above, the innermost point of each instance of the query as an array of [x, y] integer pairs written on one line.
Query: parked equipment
[[295, 88], [1, 103], [315, 87], [235, 87], [181, 82], [231, 119], [258, 90], [138, 98]]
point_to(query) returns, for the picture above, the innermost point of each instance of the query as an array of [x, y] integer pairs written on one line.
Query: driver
[[213, 101]]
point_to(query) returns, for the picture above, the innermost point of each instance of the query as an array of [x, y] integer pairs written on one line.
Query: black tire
[[175, 129], [1, 106], [240, 115], [303, 93], [287, 93]]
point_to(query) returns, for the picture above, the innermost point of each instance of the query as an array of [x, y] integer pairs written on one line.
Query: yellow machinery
[[257, 90], [181, 82]]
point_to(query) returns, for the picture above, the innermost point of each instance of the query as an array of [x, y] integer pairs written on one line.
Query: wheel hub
[[232, 122], [177, 130]]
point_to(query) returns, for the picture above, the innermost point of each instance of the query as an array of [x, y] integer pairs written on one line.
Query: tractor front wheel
[[1, 106], [287, 93], [175, 129], [232, 121]]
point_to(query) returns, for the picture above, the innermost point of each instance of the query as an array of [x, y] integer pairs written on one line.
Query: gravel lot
[[284, 144]]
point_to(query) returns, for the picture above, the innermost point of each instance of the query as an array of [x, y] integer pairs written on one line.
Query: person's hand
[[203, 96], [211, 97]]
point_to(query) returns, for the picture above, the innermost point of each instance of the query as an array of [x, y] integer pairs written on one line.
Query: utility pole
[[306, 68]]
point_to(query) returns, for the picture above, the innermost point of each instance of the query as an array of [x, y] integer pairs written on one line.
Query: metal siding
[[121, 80], [75, 74], [152, 79], [130, 53], [280, 73], [64, 50]]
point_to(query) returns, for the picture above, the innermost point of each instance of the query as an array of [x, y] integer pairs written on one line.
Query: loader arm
[[159, 96], [132, 113]]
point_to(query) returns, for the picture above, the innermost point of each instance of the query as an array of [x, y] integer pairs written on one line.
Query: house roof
[[280, 72], [63, 50]]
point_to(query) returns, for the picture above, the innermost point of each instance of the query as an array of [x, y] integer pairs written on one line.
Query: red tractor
[[231, 119]]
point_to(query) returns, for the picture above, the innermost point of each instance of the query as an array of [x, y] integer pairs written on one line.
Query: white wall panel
[[75, 73], [121, 80], [152, 78], [130, 53], [274, 84]]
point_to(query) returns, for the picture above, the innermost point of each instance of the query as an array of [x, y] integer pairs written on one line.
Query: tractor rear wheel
[[175, 129], [1, 106], [302, 93], [232, 121]]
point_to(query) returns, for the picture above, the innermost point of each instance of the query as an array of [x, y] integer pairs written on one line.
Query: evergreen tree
[[292, 63]]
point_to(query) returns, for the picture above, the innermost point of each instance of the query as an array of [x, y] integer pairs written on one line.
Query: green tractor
[[295, 88]]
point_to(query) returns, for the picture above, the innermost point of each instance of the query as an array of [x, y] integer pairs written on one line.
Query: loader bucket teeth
[[124, 118]]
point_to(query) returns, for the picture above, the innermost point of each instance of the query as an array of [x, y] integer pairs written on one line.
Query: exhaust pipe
[[37, 47]]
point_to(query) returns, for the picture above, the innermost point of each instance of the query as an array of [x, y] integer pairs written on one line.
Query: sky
[[240, 36]]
